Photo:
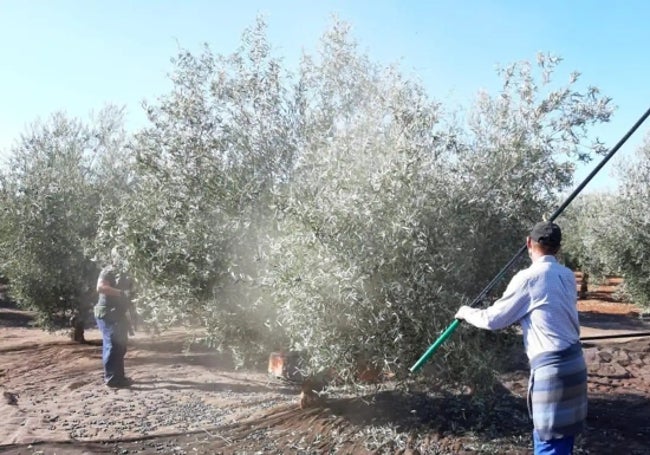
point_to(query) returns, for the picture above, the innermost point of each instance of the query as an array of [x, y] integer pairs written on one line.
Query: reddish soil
[[194, 402]]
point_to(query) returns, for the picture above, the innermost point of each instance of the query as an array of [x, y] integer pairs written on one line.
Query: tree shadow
[[6, 302], [620, 421], [421, 411], [162, 344], [10, 316], [178, 352], [175, 359], [612, 321], [92, 342], [604, 296], [212, 387]]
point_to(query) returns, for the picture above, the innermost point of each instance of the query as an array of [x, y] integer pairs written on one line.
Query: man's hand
[[462, 312]]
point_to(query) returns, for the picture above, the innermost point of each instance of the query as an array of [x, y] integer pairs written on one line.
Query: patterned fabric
[[557, 393]]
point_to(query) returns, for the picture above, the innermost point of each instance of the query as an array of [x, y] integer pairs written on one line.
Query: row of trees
[[60, 174], [609, 232], [335, 209]]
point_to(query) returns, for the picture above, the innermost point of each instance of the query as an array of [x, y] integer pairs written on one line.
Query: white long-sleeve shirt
[[542, 299]]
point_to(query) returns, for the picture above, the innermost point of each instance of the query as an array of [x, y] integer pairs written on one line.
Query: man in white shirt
[[542, 299]]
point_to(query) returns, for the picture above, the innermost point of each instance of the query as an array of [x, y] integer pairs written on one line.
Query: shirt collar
[[546, 258]]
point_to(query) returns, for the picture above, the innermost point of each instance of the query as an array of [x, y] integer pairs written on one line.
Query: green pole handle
[[434, 347]]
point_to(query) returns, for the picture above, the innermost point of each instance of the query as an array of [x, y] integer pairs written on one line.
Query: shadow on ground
[[214, 387], [612, 321], [10, 316]]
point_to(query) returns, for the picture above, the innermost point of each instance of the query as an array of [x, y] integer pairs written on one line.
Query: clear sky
[[77, 56]]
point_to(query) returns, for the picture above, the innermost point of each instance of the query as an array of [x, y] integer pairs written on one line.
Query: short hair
[[547, 249]]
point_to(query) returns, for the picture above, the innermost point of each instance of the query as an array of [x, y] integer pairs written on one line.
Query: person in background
[[113, 321], [542, 299]]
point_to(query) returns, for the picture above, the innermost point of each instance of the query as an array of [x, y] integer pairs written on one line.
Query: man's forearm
[[475, 317]]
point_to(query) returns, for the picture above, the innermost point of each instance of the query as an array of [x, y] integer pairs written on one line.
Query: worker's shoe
[[120, 383]]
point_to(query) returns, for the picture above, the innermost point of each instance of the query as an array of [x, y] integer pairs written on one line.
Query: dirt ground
[[195, 402]]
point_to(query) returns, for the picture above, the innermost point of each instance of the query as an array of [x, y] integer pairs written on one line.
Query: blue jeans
[[561, 446], [114, 339]]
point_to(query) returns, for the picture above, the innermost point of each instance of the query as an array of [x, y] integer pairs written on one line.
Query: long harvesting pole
[[452, 327]]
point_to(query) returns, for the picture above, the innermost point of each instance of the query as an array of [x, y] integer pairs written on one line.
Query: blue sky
[[77, 56]]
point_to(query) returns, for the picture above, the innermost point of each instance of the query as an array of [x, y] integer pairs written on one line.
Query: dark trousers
[[561, 446], [114, 340]]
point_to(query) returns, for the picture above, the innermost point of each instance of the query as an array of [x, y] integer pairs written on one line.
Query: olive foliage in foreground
[[338, 209]]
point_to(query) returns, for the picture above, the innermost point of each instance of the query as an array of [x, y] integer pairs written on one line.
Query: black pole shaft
[[604, 161]]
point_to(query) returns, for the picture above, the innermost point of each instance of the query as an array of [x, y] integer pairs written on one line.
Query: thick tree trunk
[[77, 326], [584, 286]]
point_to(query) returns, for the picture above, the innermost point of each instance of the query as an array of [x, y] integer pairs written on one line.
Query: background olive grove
[[60, 174], [609, 232], [335, 208]]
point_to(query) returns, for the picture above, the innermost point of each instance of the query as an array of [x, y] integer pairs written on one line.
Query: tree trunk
[[77, 332], [584, 286]]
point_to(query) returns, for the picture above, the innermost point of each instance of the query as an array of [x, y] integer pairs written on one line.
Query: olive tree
[[607, 232], [339, 210], [396, 215], [521, 153], [625, 227], [51, 192], [585, 225], [206, 168]]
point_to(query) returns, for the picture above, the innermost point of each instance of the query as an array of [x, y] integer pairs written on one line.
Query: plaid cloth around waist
[[557, 393]]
